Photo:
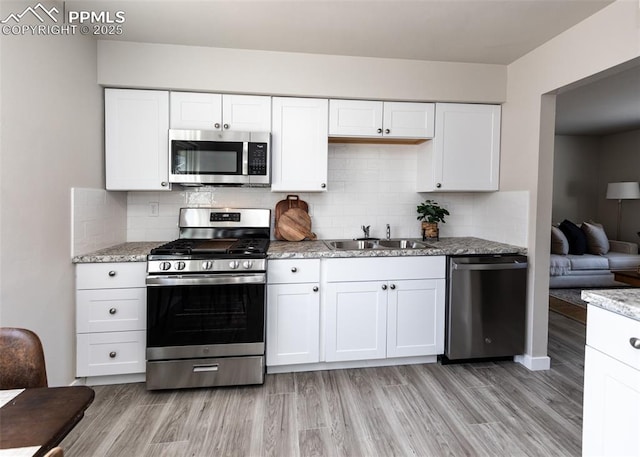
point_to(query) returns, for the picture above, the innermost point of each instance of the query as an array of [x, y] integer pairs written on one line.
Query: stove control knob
[[207, 265], [180, 266], [234, 264], [247, 264], [164, 266]]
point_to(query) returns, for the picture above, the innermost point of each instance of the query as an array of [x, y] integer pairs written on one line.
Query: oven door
[[194, 316]]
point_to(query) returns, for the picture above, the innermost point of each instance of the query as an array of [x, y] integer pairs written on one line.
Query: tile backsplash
[[367, 185], [98, 219]]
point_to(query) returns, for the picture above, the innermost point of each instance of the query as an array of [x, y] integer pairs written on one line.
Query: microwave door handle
[[245, 158]]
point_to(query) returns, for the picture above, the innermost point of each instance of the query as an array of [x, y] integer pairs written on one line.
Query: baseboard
[[534, 363]]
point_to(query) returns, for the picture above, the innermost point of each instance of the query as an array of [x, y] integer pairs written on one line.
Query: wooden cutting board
[[295, 225], [292, 201]]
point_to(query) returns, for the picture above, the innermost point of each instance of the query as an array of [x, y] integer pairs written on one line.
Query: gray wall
[[50, 140], [583, 165], [575, 178]]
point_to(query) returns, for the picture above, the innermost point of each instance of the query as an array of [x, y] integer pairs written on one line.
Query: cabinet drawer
[[610, 333], [111, 275], [384, 268], [101, 354], [111, 310], [293, 271]]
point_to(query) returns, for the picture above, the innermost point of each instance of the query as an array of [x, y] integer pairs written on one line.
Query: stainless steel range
[[206, 295]]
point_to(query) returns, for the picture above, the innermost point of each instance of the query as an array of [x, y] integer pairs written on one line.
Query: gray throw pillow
[[559, 242], [597, 241]]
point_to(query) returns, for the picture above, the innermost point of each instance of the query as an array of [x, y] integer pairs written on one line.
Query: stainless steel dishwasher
[[486, 308]]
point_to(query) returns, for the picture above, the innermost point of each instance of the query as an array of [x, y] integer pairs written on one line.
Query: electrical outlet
[[154, 209]]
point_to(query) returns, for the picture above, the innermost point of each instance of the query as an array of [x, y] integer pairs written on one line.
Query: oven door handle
[[205, 280]]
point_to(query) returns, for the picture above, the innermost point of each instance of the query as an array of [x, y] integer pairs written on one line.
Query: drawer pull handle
[[205, 368], [113, 311], [112, 273], [393, 286], [294, 269], [315, 288], [384, 287], [635, 342], [113, 354]]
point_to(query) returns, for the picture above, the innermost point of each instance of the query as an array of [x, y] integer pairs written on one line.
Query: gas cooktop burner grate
[[213, 247]]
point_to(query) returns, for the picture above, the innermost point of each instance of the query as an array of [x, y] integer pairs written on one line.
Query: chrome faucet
[[366, 229], [388, 232]]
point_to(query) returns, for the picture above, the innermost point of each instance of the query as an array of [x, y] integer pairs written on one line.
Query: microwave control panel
[[258, 158]]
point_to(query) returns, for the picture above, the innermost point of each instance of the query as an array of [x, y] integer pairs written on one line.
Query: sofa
[[591, 266]]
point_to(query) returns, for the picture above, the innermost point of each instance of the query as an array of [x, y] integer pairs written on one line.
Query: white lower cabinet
[[293, 312], [370, 315], [110, 318], [355, 321], [611, 413]]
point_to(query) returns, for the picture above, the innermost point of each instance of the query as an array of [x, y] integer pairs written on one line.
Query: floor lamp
[[622, 191]]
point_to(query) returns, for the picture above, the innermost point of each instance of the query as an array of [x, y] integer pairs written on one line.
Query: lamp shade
[[623, 190]]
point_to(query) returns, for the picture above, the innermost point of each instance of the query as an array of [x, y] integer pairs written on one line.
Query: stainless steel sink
[[403, 244], [353, 245], [359, 245]]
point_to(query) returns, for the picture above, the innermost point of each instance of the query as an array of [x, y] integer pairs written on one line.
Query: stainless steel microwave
[[198, 157]]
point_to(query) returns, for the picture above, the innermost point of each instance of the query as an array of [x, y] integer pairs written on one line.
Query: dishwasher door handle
[[490, 266]]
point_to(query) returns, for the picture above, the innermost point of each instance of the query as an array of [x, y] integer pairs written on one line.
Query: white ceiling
[[478, 31], [485, 31]]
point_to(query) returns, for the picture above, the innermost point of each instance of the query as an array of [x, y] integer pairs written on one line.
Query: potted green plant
[[430, 213]]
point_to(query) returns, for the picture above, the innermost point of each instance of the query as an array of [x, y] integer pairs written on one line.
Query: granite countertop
[[625, 302], [138, 251], [445, 246]]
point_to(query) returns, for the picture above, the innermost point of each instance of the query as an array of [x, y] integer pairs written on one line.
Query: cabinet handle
[[393, 286], [384, 287], [225, 126], [112, 273], [294, 269], [635, 343], [379, 130], [438, 185], [387, 131], [113, 311], [315, 288], [323, 185], [112, 354], [217, 125], [164, 184]]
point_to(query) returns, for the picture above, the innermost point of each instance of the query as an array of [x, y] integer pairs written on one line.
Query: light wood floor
[[480, 409]]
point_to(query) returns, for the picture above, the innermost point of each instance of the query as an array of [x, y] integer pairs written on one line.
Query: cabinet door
[[355, 118], [299, 145], [466, 147], [611, 417], [136, 139], [101, 354], [415, 318], [111, 310], [408, 120], [293, 324], [196, 111], [246, 113], [355, 321]]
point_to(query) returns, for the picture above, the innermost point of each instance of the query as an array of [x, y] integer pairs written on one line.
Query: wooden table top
[[42, 416], [631, 277]]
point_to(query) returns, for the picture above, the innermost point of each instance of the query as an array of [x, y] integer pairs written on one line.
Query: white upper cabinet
[[191, 110], [136, 139], [375, 119], [299, 146], [201, 111], [465, 152]]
